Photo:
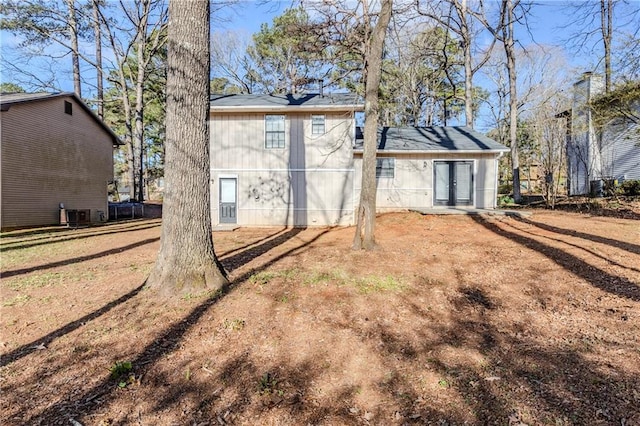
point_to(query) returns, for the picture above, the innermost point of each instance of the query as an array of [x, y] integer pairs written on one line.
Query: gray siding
[[309, 182], [621, 151], [49, 157]]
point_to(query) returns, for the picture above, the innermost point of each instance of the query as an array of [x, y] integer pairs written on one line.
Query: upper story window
[[68, 108], [317, 124], [274, 131], [385, 167]]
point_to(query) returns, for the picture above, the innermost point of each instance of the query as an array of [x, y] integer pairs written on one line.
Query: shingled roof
[[432, 139], [7, 100], [332, 101]]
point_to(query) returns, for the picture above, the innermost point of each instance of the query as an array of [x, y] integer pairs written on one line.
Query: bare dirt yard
[[453, 320]]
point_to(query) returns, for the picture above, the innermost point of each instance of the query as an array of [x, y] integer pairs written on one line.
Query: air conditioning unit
[[79, 217]]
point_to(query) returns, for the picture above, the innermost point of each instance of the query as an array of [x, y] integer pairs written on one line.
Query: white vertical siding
[[412, 185], [410, 188], [309, 182]]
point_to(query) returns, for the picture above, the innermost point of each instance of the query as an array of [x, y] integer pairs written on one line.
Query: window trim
[[323, 124], [380, 168], [283, 132]]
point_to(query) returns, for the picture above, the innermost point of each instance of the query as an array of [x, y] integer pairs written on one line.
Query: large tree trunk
[[513, 100], [366, 212], [187, 262]]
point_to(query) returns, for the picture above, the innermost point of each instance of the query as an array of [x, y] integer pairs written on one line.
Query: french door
[[453, 181]]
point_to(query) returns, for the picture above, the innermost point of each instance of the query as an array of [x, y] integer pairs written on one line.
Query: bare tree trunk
[[366, 212], [187, 261], [508, 40], [139, 126], [606, 18], [95, 4], [75, 55], [468, 66]]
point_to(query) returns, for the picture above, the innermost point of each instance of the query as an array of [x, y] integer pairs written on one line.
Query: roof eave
[[436, 151], [287, 108], [115, 139]]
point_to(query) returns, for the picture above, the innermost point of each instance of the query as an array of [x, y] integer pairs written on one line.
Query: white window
[[385, 167], [274, 131], [317, 124]]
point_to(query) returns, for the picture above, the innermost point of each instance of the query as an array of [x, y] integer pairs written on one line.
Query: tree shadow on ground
[[168, 341], [503, 374], [577, 246], [631, 248], [518, 376], [34, 242], [616, 285], [79, 259], [253, 251], [45, 341]]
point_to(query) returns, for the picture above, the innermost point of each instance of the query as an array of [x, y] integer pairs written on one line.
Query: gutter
[[286, 108], [438, 151]]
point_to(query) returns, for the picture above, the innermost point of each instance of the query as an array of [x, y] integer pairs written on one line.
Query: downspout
[[496, 179]]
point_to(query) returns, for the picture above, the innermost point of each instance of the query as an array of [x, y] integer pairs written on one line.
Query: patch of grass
[[377, 284], [48, 279], [262, 278], [289, 274], [265, 277], [189, 296], [234, 324], [20, 299], [325, 277], [444, 383], [35, 280]]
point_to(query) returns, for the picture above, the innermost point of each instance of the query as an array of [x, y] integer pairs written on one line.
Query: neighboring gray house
[[54, 150], [592, 157], [296, 160]]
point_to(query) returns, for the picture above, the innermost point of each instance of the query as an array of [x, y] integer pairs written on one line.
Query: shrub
[[505, 188], [630, 187], [505, 200]]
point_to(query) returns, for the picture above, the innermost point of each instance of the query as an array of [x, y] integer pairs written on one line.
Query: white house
[[593, 156], [296, 160]]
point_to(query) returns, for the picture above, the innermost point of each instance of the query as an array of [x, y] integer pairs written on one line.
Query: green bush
[[505, 200], [505, 188], [630, 187]]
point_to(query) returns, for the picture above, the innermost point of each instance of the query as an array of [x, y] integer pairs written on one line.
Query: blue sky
[[545, 25]]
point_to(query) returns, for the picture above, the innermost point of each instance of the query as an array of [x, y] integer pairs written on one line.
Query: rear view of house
[[54, 151], [296, 160], [283, 159]]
